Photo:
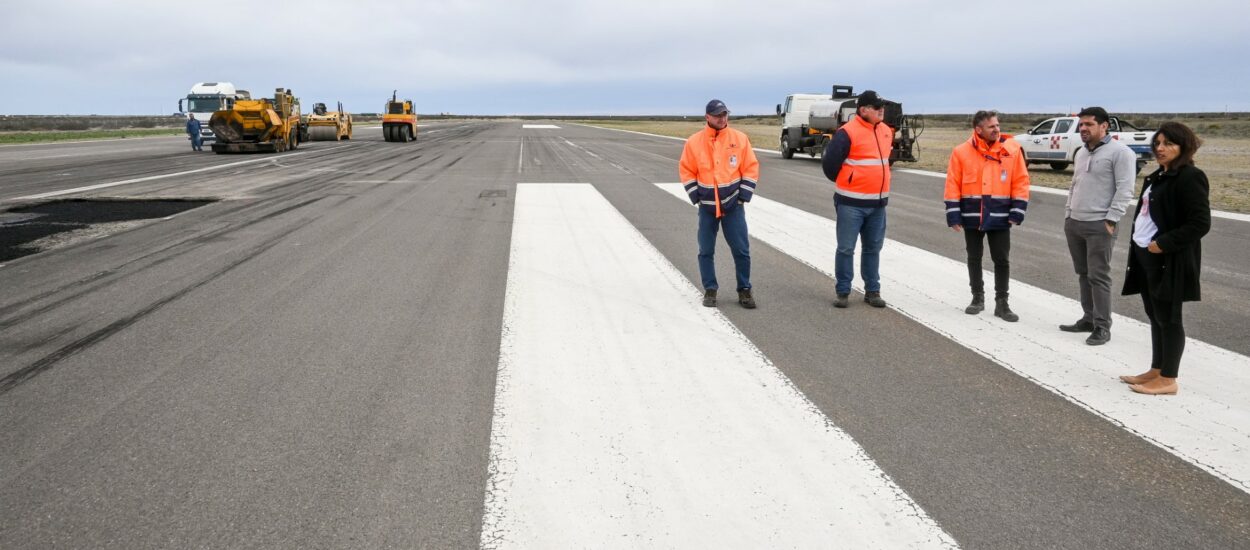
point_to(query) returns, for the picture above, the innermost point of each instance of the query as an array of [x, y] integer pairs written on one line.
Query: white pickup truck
[[1056, 140]]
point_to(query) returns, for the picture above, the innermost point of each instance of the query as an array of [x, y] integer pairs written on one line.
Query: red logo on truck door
[[1054, 142]]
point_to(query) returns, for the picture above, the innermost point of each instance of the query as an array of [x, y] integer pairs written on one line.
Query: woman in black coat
[[1165, 256]]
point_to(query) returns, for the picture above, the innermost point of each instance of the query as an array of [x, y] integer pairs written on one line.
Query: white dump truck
[[207, 98], [808, 122]]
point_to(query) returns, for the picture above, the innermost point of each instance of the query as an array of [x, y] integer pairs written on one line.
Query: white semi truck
[[808, 122], [209, 97]]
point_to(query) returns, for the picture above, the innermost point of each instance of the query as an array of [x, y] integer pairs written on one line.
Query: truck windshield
[[395, 108], [203, 104]]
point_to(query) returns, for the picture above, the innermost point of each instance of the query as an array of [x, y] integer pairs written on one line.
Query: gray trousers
[[1091, 246]]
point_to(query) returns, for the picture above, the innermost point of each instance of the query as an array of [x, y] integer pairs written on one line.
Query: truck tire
[[1058, 166], [386, 133], [401, 134], [786, 151], [1140, 164], [294, 140]]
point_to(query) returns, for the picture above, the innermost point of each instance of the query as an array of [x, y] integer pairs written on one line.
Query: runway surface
[[492, 338]]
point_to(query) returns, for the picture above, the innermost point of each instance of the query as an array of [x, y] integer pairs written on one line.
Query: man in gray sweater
[[1102, 186]]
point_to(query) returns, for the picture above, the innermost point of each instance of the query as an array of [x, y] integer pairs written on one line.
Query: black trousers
[[1167, 332], [1000, 248]]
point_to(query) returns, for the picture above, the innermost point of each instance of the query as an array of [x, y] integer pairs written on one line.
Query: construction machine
[[399, 120], [326, 125], [259, 125], [810, 120]]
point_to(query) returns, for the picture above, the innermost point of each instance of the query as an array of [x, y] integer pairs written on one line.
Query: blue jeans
[[734, 220], [197, 143], [853, 222]]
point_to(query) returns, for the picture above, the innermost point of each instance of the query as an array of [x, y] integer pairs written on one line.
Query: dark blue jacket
[[193, 127]]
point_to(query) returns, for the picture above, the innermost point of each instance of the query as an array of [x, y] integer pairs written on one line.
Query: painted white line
[[89, 141], [150, 178], [1064, 192], [583, 149], [629, 416], [756, 149], [1207, 423], [520, 158], [540, 126]]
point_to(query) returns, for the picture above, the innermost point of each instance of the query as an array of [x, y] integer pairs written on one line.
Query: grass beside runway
[[1224, 156]]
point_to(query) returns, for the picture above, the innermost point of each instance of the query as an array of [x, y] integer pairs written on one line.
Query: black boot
[[1002, 311], [977, 305]]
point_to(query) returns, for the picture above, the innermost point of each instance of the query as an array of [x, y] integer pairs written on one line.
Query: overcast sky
[[629, 56]]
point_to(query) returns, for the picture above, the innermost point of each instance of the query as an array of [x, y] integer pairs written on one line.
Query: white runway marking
[[1207, 423], [629, 416], [540, 126], [150, 178]]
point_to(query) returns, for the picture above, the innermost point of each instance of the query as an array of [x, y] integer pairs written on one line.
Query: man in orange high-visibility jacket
[[858, 160], [719, 170], [987, 192]]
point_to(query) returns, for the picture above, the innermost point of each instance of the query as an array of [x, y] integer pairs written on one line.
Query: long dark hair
[[1182, 136]]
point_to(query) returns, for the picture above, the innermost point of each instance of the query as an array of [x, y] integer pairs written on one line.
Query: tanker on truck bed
[[259, 125], [809, 121], [207, 98]]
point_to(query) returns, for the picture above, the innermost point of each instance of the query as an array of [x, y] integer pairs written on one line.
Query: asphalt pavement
[[311, 359]]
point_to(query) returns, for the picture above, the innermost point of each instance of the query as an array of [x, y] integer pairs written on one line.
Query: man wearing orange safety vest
[[719, 170], [858, 160], [987, 192]]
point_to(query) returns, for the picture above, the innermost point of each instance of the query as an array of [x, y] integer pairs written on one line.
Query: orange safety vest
[[987, 184], [718, 169], [864, 179]]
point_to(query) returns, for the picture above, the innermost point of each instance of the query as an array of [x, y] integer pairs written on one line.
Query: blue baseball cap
[[716, 107]]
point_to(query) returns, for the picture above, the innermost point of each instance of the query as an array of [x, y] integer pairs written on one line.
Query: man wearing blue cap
[[719, 170]]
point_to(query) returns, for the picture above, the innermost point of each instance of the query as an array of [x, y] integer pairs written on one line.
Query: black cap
[[869, 99], [716, 107]]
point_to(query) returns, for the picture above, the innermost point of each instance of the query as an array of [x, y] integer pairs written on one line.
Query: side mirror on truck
[[779, 109]]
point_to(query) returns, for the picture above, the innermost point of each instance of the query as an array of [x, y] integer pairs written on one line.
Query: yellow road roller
[[258, 125], [399, 120], [324, 125]]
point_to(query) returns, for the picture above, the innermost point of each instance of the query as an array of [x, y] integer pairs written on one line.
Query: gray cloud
[[556, 56]]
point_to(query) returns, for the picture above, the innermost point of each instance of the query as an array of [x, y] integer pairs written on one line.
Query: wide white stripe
[[540, 126], [1207, 423], [629, 416]]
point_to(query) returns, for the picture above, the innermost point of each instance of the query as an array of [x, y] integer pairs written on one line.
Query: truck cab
[[207, 98], [1055, 141]]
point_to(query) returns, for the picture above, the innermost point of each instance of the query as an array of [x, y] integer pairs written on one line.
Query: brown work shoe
[[745, 298], [842, 301], [709, 298], [874, 299]]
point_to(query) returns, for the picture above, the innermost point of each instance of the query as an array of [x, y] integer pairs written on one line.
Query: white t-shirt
[[1144, 228]]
